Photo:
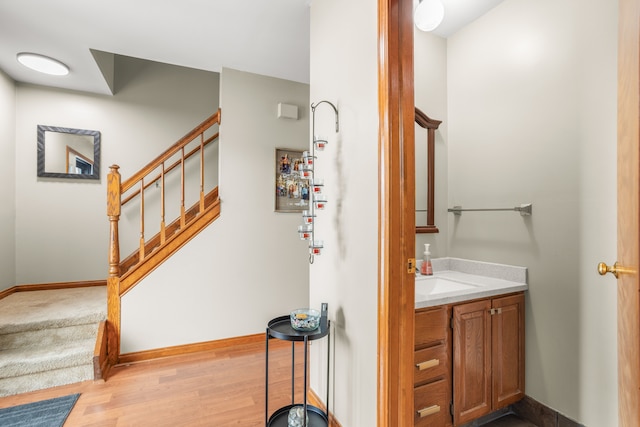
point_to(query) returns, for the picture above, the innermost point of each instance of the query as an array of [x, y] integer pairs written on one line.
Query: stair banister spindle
[[202, 172], [182, 210], [163, 233], [141, 258]]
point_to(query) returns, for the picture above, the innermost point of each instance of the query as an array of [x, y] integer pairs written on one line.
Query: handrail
[[116, 192], [171, 151], [169, 169]]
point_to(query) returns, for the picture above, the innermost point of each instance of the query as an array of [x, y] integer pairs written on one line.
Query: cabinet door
[[508, 350], [471, 361]]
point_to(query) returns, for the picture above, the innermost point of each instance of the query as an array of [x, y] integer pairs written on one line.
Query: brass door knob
[[616, 269]]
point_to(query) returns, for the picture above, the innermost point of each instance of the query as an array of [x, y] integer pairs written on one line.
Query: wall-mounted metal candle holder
[[304, 231], [316, 247], [307, 159], [318, 200], [319, 143], [308, 216], [317, 185]]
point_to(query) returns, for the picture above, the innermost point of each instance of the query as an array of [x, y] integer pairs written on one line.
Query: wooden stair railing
[[151, 252]]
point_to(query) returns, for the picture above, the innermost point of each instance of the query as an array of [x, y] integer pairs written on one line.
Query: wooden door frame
[[628, 212], [396, 221], [396, 240]]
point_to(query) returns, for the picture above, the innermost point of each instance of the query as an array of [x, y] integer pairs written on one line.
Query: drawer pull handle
[[428, 364], [429, 411]]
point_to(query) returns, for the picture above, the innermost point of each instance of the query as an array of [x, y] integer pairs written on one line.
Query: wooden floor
[[213, 388]]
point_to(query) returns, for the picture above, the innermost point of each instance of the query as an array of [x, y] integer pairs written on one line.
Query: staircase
[[56, 337], [178, 174], [47, 337]]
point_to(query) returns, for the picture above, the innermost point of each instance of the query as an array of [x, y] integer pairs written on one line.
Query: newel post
[[114, 196]]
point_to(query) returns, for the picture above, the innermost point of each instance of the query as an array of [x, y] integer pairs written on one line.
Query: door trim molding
[[396, 222]]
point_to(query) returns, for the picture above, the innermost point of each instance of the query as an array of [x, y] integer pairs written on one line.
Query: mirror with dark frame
[[68, 153], [425, 173]]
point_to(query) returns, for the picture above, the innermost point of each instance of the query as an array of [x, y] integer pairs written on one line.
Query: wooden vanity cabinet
[[432, 367], [488, 356]]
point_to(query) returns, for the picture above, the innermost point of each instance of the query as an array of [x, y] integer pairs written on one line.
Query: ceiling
[[264, 37]]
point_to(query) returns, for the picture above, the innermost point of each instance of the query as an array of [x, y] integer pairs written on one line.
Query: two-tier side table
[[281, 328]]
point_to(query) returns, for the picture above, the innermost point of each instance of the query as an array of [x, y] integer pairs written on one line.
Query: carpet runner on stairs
[[47, 338]]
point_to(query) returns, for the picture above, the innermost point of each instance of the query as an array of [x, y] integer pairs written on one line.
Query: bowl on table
[[305, 319]]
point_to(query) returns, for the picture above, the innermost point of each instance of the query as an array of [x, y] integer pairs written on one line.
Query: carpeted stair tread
[[47, 337], [42, 380], [49, 323], [33, 310], [17, 362]]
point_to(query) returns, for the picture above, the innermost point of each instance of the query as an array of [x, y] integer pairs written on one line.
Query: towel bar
[[524, 209]]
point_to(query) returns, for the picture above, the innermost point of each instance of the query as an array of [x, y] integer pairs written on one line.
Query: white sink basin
[[464, 280], [429, 286]]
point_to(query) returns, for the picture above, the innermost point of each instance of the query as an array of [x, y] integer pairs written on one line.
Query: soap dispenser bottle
[[425, 268]]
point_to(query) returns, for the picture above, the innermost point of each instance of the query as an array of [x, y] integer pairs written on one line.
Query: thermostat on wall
[[287, 111]]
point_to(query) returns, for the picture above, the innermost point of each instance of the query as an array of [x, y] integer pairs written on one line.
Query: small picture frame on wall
[[291, 189]]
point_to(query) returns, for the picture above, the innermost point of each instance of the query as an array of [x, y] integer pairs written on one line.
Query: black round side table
[[281, 328]]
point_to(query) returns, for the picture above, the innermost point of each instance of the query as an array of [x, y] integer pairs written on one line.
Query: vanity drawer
[[431, 405], [430, 363], [431, 326]]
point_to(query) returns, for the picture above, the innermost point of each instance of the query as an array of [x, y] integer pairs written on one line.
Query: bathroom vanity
[[469, 341]]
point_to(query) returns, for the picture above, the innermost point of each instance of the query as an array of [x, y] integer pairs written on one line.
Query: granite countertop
[[457, 280]]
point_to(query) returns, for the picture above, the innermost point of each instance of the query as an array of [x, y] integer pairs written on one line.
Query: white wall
[[344, 71], [8, 180], [430, 64], [598, 222], [249, 266], [154, 106], [532, 119]]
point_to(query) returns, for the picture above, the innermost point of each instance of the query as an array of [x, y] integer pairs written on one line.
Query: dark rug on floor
[[46, 413]]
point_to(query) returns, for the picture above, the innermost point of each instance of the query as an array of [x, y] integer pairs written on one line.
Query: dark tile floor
[[509, 421]]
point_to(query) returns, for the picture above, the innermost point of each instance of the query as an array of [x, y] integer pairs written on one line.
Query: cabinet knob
[[615, 269]]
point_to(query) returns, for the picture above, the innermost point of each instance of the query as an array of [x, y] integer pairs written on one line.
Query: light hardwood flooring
[[210, 388], [213, 388]]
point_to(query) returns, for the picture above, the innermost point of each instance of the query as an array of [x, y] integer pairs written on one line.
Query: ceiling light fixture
[[428, 15], [43, 64]]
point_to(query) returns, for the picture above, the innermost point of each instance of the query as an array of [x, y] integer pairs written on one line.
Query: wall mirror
[[425, 172], [68, 153]]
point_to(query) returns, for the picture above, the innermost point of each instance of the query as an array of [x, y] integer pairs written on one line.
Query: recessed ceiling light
[[43, 64]]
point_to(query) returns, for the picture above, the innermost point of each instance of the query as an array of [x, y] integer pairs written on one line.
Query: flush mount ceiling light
[[43, 64], [428, 15]]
